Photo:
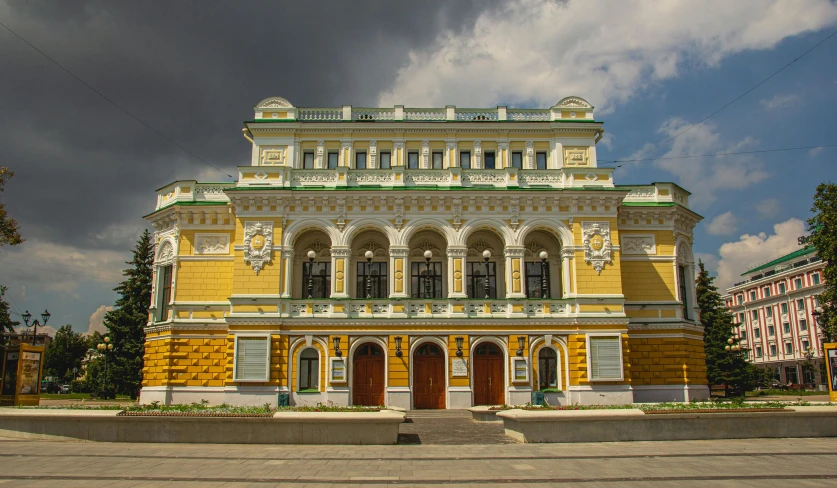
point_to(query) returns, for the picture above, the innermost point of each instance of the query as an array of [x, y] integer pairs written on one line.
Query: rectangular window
[[251, 358], [371, 280], [797, 283], [307, 160], [605, 358], [465, 159], [684, 296], [739, 299], [438, 160], [421, 277], [817, 302], [540, 160], [815, 278], [477, 272], [165, 292], [784, 308], [741, 318], [316, 280], [800, 305], [805, 345], [758, 352], [772, 349], [360, 160], [412, 160], [788, 348], [743, 334], [489, 159], [752, 296], [769, 312], [781, 288], [786, 328], [309, 370], [534, 280], [517, 160], [771, 331], [757, 333], [755, 314], [386, 160], [803, 325], [766, 291], [333, 158]]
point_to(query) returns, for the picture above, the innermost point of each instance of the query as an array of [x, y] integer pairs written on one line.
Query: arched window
[[482, 275], [542, 265], [309, 369], [427, 278], [312, 265], [547, 368], [370, 252]]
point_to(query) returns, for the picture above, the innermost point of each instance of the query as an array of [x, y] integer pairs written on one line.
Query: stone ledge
[[634, 425], [283, 428]]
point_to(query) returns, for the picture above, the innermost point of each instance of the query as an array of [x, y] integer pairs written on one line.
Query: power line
[[717, 154], [675, 136], [124, 110]]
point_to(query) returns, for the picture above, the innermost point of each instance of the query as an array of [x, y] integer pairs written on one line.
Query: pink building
[[773, 308]]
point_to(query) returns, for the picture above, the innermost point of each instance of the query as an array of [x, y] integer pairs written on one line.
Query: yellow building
[[423, 258]]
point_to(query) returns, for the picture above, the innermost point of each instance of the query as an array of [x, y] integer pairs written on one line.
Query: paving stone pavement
[[449, 427], [727, 463]]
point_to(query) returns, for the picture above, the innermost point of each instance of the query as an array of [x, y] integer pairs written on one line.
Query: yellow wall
[[667, 361], [648, 281], [185, 362]]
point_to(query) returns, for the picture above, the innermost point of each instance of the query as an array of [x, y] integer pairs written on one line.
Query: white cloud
[[607, 140], [96, 320], [706, 176], [710, 262], [780, 101], [723, 224], [768, 208], [60, 268], [815, 152], [751, 250], [536, 52]]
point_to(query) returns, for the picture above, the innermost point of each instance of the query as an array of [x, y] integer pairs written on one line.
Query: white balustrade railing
[[424, 114], [373, 114], [419, 308], [533, 115], [477, 115], [320, 114]]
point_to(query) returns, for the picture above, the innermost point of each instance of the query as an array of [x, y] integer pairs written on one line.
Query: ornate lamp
[[369, 255], [486, 255], [459, 341], [398, 352], [544, 277], [427, 255], [337, 351], [311, 256], [520, 341]]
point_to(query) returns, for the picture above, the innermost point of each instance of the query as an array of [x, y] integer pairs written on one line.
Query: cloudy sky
[[85, 172]]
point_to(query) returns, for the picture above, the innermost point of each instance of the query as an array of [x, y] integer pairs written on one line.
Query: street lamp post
[[28, 316], [544, 278], [731, 348], [486, 255], [105, 347], [809, 355], [427, 255], [368, 255]]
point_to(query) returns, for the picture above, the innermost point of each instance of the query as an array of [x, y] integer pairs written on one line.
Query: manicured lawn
[[759, 393]]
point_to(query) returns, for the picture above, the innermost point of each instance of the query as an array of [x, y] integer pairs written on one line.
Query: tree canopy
[[823, 227], [65, 353], [9, 234]]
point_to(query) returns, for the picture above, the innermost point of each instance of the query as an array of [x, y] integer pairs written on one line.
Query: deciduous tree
[[64, 353], [10, 235], [823, 227]]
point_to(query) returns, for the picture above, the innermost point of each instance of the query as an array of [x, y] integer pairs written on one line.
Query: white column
[[514, 272], [399, 272], [340, 271], [288, 283], [456, 275]]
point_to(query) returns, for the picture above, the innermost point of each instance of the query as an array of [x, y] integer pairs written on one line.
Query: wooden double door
[[489, 379], [428, 377], [368, 376]]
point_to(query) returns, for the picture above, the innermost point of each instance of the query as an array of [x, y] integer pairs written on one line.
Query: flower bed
[[329, 408]]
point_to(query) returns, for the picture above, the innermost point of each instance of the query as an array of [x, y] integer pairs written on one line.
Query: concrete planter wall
[[283, 428], [634, 425]]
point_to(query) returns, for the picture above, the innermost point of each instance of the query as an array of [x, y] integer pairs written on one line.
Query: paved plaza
[[740, 463]]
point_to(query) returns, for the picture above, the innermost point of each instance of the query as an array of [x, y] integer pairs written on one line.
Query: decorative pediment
[[425, 245], [377, 249], [274, 102], [574, 102], [477, 248], [534, 248], [165, 253]]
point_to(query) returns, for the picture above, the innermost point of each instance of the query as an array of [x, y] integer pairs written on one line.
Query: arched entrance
[[428, 377], [489, 381], [368, 375]]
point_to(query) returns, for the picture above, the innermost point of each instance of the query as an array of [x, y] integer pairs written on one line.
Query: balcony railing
[[420, 308]]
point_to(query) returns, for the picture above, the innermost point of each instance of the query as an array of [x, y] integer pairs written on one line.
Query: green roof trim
[[566, 121], [412, 188], [787, 257]]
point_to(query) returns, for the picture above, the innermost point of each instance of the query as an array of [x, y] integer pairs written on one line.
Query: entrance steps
[[438, 414]]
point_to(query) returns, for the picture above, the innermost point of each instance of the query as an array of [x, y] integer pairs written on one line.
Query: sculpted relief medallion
[[258, 242], [596, 238]]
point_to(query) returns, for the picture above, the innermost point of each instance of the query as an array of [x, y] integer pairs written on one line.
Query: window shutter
[[605, 360], [251, 362]]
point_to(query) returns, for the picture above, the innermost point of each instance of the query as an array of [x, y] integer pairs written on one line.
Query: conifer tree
[[823, 227], [125, 323], [729, 368]]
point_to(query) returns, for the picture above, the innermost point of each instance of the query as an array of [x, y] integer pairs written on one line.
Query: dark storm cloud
[[85, 172]]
